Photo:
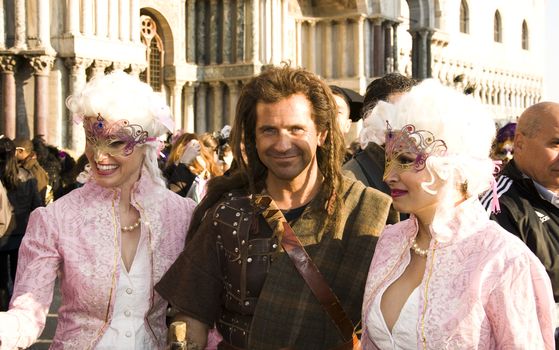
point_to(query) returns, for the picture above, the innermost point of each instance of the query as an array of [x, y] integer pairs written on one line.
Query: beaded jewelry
[[131, 227], [417, 250]]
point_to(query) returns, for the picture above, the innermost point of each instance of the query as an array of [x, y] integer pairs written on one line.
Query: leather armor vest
[[246, 245]]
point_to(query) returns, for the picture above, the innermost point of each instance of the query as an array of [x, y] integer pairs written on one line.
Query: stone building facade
[[199, 53]]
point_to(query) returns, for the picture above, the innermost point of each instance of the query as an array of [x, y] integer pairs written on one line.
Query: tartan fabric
[[287, 313]]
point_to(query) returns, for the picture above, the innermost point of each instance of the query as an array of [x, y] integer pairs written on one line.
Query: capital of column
[[120, 66], [233, 85], [41, 64], [215, 84], [136, 69], [7, 63], [77, 64], [99, 66]]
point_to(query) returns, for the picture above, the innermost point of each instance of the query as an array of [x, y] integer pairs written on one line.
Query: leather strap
[[308, 270]]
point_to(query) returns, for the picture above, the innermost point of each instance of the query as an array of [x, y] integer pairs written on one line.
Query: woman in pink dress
[[109, 241], [448, 277]]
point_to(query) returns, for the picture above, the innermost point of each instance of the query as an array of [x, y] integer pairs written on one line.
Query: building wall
[[50, 48]]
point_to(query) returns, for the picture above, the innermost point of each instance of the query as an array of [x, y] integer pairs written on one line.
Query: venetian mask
[[409, 148]]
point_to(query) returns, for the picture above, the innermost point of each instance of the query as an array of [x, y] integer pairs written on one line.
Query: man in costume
[[233, 272]]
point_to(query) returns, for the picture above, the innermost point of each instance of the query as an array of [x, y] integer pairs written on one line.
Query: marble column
[[77, 79], [20, 42], [101, 25], [190, 31], [227, 42], [312, 47], [240, 32], [233, 98], [213, 31], [43, 24], [123, 20], [188, 107], [42, 66], [388, 58], [7, 68], [341, 55], [395, 46], [254, 48], [73, 17], [175, 88], [113, 19], [359, 48], [216, 117], [327, 54], [2, 25], [201, 120], [100, 66], [87, 16], [378, 50], [298, 44], [201, 41], [135, 21]]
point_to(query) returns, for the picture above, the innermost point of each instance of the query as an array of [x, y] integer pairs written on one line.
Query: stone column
[[395, 46], [233, 98], [202, 58], [87, 16], [101, 25], [2, 25], [359, 48], [254, 48], [341, 55], [201, 120], [41, 66], [213, 32], [327, 50], [123, 20], [175, 88], [76, 67], [73, 17], [135, 21], [7, 68], [312, 47], [240, 33], [43, 24], [388, 58], [298, 45], [378, 48], [113, 19], [188, 107], [421, 53], [20, 41], [190, 31], [216, 118], [226, 43]]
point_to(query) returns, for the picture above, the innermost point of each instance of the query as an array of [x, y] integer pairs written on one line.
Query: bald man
[[529, 186]]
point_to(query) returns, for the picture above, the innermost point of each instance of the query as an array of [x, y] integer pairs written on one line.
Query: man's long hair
[[274, 85]]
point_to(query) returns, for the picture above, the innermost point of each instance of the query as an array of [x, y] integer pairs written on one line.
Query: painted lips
[[106, 169], [397, 193]]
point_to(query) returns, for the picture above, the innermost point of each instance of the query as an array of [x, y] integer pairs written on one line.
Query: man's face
[[343, 114], [538, 156], [287, 138]]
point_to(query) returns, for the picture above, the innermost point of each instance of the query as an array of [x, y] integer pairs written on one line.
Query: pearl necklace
[[417, 250], [131, 227]]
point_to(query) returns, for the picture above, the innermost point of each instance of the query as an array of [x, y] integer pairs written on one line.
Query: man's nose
[[283, 142]]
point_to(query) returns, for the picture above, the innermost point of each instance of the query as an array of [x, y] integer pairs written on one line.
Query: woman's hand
[[191, 151]]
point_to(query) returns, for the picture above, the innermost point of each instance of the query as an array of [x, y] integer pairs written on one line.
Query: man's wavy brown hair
[[271, 86]]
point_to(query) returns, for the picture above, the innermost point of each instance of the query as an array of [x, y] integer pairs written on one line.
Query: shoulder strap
[[307, 268]]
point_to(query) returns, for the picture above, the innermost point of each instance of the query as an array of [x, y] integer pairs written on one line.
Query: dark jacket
[[179, 178], [24, 199], [530, 217]]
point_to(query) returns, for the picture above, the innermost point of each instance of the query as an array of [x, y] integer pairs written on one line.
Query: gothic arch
[[165, 33]]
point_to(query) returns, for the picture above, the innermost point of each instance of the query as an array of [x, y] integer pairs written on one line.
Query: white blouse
[[404, 331], [127, 330]]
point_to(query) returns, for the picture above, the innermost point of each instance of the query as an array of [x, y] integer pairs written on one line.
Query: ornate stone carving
[[41, 64], [76, 65], [7, 63]]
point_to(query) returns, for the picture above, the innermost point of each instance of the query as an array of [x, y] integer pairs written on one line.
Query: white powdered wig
[[465, 126], [117, 96]]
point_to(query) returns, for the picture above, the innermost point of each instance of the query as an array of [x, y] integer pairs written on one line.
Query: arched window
[[154, 54], [497, 28], [464, 17], [525, 36]]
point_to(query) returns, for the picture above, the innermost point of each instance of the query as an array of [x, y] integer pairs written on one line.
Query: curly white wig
[[461, 122], [117, 96]]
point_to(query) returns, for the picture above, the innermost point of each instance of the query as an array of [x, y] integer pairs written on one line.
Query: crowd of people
[[433, 230]]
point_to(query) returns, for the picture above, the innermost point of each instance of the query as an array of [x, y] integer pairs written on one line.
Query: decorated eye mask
[[409, 148], [116, 138]]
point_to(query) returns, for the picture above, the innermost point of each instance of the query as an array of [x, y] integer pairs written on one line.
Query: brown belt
[[309, 271]]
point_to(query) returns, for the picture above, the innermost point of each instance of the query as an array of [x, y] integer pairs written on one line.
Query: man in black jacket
[[528, 187]]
